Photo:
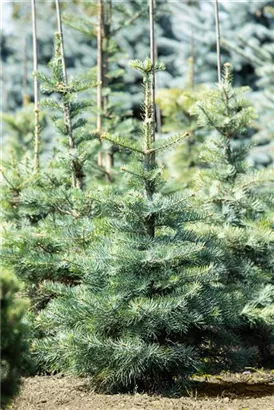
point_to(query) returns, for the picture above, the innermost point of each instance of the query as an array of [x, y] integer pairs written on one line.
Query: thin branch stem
[[128, 22], [60, 31], [191, 61], [8, 181], [107, 35], [157, 108], [99, 66], [76, 176], [218, 40], [25, 74], [99, 75], [36, 90], [149, 123], [152, 57]]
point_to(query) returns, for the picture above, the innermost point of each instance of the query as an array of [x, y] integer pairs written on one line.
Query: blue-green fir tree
[[239, 202], [151, 307], [43, 208]]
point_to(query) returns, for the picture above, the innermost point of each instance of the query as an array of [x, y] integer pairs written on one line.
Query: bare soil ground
[[248, 391]]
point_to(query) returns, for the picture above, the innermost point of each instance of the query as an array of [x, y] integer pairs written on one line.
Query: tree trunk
[[152, 57], [103, 39], [150, 160], [218, 38], [77, 175], [25, 96], [36, 91], [157, 108], [100, 66]]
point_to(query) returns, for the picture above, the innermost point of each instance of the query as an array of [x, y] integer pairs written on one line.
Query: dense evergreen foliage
[[239, 203], [141, 286], [157, 302], [144, 238], [13, 337], [36, 205]]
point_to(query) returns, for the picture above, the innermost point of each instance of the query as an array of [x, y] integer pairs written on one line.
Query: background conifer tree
[[175, 105], [51, 207], [238, 199], [259, 53]]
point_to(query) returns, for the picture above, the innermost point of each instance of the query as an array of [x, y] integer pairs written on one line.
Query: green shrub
[[13, 331]]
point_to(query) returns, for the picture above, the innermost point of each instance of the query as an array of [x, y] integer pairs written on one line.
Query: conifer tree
[[50, 209], [151, 308], [129, 285], [238, 199], [259, 53]]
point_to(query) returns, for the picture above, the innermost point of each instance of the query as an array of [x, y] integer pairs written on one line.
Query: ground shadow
[[230, 389]]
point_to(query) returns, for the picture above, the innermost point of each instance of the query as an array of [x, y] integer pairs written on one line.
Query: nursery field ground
[[246, 391]]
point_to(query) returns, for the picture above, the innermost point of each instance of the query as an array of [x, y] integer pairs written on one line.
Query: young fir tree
[[151, 303], [52, 210], [13, 337], [239, 201]]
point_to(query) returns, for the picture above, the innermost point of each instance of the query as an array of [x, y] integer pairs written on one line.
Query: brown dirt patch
[[251, 391]]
